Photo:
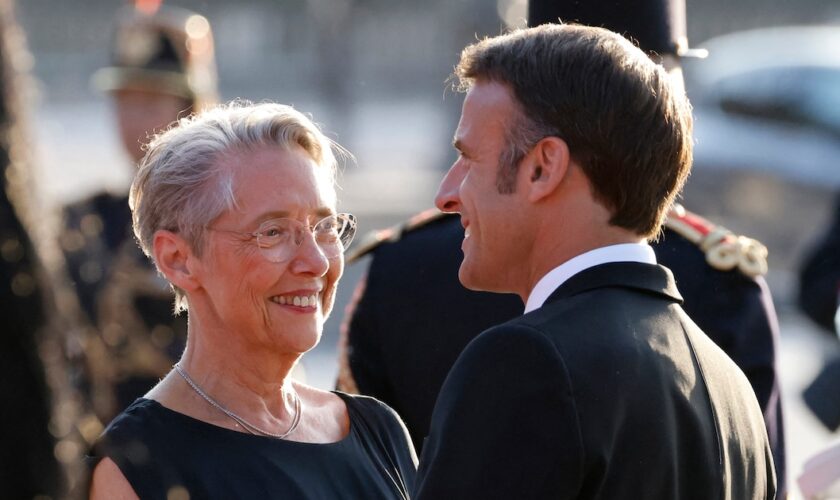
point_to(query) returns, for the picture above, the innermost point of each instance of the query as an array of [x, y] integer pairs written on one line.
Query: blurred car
[[769, 100]]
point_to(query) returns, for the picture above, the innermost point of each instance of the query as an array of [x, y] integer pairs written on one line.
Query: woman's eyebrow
[[282, 214]]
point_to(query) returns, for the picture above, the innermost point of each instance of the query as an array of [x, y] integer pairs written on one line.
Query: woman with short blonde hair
[[236, 207]]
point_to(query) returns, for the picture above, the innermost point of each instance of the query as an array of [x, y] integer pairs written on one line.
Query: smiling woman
[[236, 207]]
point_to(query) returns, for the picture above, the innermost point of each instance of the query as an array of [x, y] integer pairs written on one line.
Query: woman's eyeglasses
[[279, 239]]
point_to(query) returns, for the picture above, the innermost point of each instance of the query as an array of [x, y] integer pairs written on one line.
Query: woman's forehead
[[272, 179]]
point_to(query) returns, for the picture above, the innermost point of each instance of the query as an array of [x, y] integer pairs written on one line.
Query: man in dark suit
[[573, 145], [411, 318]]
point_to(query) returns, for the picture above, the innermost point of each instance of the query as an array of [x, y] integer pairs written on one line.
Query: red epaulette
[[724, 249], [375, 238]]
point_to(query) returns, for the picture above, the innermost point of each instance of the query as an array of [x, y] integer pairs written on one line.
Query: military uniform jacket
[[132, 337], [609, 391]]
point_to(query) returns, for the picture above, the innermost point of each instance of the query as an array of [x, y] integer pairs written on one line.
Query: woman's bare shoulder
[[326, 412], [109, 482], [318, 397]]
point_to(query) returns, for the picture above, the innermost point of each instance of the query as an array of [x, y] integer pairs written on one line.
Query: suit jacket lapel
[[647, 278]]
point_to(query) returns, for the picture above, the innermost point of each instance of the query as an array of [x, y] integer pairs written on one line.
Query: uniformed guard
[[167, 52], [410, 317], [162, 68]]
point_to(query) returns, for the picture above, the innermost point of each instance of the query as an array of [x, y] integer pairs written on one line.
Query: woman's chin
[[311, 345], [303, 341]]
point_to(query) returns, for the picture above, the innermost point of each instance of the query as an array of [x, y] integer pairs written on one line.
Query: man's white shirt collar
[[625, 252]]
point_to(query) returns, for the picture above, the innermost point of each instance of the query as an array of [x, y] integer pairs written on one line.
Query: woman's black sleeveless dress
[[164, 453]]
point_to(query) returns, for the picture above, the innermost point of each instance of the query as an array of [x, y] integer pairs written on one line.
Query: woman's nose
[[310, 257]]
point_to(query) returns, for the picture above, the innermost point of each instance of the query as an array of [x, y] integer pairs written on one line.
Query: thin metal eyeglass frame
[[347, 221]]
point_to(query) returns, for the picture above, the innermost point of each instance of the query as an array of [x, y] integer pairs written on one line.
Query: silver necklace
[[253, 429]]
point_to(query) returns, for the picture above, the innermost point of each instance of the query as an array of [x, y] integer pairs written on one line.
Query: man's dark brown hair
[[624, 123]]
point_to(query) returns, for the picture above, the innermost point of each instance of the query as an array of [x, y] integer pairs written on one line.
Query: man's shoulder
[[568, 323], [692, 241], [512, 355], [413, 235], [599, 309], [506, 339]]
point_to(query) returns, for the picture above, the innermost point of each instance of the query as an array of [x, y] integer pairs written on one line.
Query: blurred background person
[[411, 317], [819, 296], [237, 208], [39, 443], [819, 276], [162, 68], [820, 478]]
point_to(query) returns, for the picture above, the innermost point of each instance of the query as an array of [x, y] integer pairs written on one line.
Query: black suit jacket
[[608, 391], [412, 318]]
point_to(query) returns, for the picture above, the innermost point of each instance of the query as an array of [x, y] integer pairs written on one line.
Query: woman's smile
[[306, 300]]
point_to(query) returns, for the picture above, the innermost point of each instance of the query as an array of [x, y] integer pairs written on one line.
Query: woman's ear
[[548, 165], [175, 259]]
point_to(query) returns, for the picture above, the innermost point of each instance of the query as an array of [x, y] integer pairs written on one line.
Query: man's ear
[[175, 259], [548, 164]]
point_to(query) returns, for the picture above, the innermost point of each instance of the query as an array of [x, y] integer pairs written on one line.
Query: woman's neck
[[227, 378]]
